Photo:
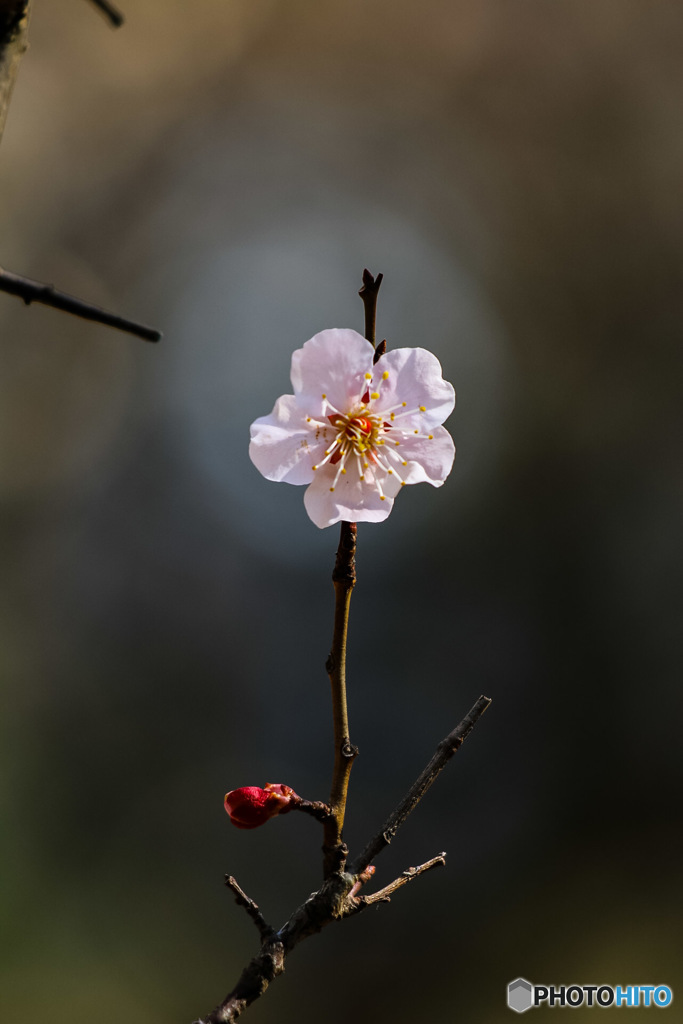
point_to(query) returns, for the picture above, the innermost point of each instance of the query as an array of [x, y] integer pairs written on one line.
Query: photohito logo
[[522, 995]]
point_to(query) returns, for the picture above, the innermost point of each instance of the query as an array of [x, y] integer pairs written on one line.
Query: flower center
[[368, 439], [355, 432]]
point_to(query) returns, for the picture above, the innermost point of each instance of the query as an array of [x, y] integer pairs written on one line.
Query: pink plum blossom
[[356, 431]]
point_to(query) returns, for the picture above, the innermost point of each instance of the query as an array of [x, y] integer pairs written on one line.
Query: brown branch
[[368, 293], [444, 752], [33, 291], [409, 875], [242, 900], [344, 579], [111, 13]]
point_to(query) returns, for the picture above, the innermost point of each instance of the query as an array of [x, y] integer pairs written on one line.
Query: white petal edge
[[334, 363], [284, 446], [429, 461], [416, 378], [353, 500]]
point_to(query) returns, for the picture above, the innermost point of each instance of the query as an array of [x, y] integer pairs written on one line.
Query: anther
[[375, 394], [385, 375], [423, 408]]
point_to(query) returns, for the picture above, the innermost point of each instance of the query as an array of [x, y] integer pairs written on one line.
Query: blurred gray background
[[224, 170]]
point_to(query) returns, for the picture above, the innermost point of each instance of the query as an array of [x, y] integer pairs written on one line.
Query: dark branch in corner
[[444, 752], [33, 291], [111, 13]]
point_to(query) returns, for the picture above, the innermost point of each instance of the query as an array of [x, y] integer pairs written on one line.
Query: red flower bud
[[252, 806]]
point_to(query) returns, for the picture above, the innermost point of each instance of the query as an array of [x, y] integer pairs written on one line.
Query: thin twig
[[444, 752], [242, 900], [409, 875], [316, 808], [33, 291], [368, 293], [111, 13]]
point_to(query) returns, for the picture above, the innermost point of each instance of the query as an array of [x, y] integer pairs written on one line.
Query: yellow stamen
[[375, 394], [385, 375]]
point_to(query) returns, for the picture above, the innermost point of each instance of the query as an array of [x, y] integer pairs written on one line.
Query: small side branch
[[242, 900], [33, 291], [444, 752], [316, 808], [409, 875], [111, 13]]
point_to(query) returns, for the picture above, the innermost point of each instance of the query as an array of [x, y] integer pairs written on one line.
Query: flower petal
[[353, 500], [332, 363], [429, 460], [284, 446], [415, 377]]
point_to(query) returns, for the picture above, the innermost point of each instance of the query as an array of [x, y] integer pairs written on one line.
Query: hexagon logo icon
[[520, 995]]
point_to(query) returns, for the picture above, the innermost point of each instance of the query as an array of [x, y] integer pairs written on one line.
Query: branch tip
[[46, 294], [266, 932], [112, 14], [444, 752]]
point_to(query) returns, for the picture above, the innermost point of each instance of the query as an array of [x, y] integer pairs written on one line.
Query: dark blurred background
[[224, 170]]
